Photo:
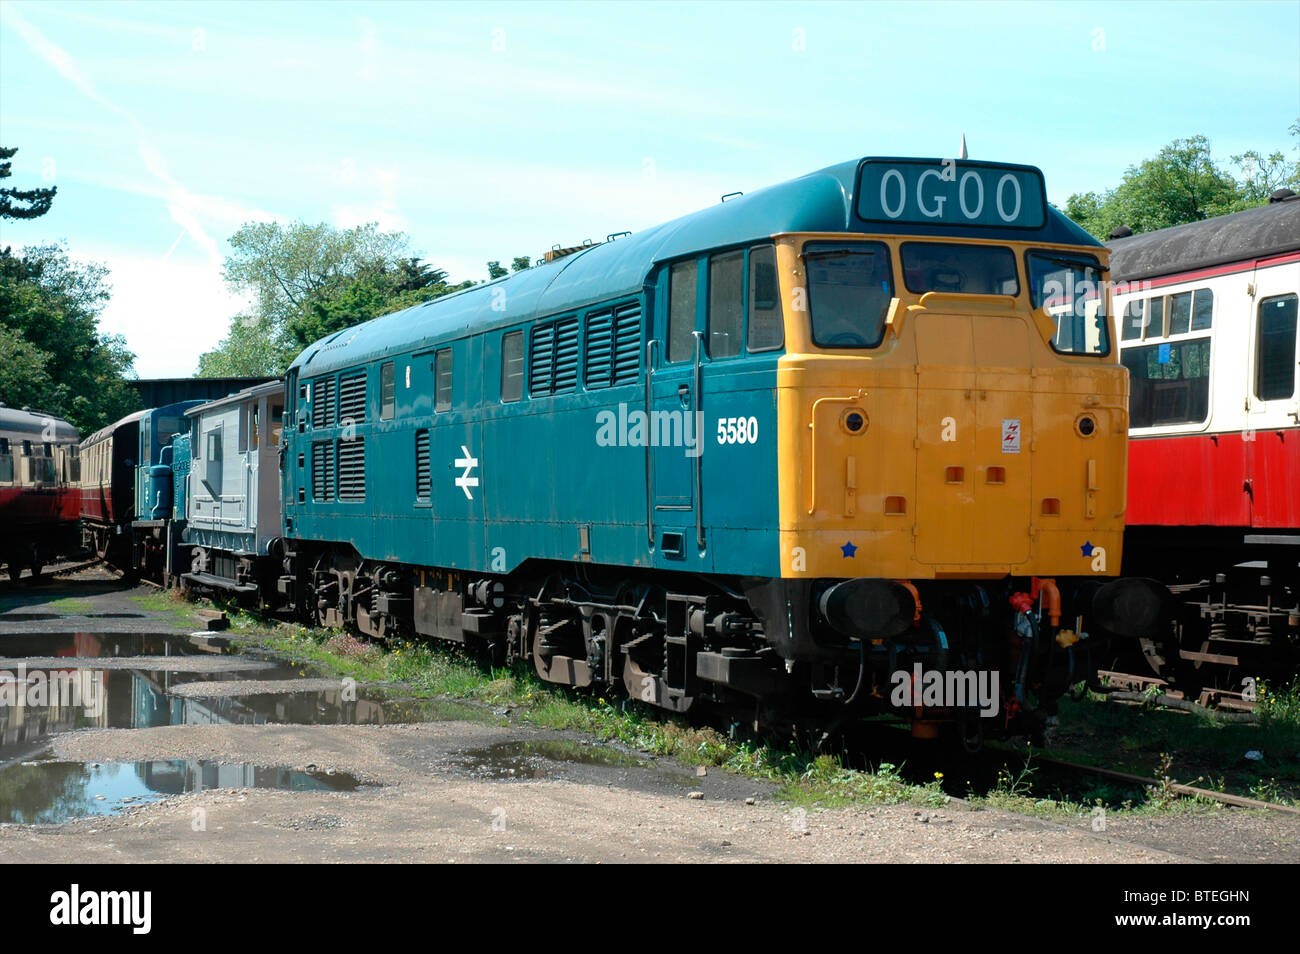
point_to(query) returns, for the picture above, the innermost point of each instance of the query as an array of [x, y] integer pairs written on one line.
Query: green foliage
[[309, 281], [22, 203], [496, 271], [52, 355], [521, 263], [1182, 183]]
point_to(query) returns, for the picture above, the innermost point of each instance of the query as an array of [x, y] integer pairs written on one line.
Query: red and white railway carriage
[[38, 497], [1208, 331]]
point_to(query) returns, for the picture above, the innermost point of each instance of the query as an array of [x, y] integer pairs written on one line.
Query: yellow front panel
[[970, 464]]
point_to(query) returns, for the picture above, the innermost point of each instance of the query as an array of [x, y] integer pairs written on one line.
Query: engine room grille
[[627, 342], [600, 349], [352, 397], [423, 476], [322, 402], [352, 469], [322, 470], [554, 364]]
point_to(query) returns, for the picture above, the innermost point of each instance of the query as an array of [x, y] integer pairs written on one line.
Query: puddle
[[54, 701], [98, 645], [48, 792], [41, 617], [529, 759]]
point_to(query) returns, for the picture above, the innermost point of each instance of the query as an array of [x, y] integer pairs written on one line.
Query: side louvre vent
[[352, 469], [352, 397], [322, 470], [566, 355], [423, 477], [541, 366], [600, 349], [322, 402], [627, 342]]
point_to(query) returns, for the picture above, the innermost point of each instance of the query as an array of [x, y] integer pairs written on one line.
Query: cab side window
[[726, 317], [766, 322], [681, 311]]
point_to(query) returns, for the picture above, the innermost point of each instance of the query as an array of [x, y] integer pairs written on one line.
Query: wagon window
[[512, 366], [442, 380], [681, 311], [766, 323], [1275, 355], [387, 390], [726, 317]]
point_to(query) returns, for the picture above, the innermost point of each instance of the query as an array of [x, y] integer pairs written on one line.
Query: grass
[[171, 603], [1154, 743]]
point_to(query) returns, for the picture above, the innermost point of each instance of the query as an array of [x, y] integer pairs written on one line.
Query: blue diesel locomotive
[[852, 443]]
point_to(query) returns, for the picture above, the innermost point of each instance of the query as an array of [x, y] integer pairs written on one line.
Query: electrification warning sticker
[[1010, 436]]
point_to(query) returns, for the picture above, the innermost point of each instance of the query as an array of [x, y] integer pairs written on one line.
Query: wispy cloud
[[183, 205]]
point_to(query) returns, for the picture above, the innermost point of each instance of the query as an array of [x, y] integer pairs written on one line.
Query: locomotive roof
[[18, 424], [1238, 237], [822, 201], [238, 396]]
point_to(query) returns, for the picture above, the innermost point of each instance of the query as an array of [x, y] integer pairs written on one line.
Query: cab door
[[673, 402]]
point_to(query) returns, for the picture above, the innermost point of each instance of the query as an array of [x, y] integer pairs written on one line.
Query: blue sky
[[486, 131]]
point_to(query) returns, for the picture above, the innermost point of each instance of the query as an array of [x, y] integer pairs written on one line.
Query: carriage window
[[1155, 327], [681, 311], [277, 424], [850, 286], [1180, 313], [969, 269], [766, 323], [726, 319], [442, 380], [1132, 329], [1275, 349], [387, 390], [1202, 309], [512, 366], [1169, 383]]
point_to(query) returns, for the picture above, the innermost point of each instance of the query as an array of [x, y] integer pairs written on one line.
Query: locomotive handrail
[[812, 427], [699, 437], [649, 451]]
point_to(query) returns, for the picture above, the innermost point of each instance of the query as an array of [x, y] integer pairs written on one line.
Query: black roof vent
[[1120, 231], [1281, 195]]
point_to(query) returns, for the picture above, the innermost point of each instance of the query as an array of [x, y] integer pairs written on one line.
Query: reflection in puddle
[[138, 699], [44, 793], [98, 645], [527, 759]]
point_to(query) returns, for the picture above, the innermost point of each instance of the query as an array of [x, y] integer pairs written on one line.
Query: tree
[[1182, 183], [49, 331], [22, 203], [309, 281], [495, 271], [521, 263]]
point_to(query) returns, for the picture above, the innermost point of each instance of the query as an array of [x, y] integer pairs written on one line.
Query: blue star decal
[[1086, 548], [849, 549]]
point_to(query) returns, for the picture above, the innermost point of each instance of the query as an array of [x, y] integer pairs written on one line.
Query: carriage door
[[672, 417], [1272, 439]]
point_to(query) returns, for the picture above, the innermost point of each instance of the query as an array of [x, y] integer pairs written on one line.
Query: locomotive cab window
[[850, 286], [442, 380], [1275, 349], [726, 315], [1072, 290], [681, 311], [766, 322], [964, 269]]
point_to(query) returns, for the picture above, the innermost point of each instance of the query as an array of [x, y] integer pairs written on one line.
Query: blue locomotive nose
[[160, 491]]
